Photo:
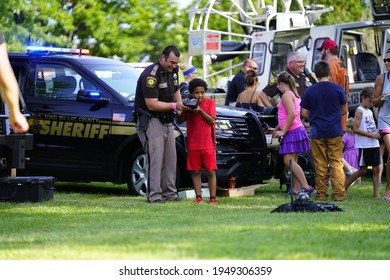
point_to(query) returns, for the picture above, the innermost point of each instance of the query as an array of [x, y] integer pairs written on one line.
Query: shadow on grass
[[91, 188]]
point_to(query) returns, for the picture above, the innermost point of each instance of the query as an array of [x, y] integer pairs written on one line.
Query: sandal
[[386, 198]]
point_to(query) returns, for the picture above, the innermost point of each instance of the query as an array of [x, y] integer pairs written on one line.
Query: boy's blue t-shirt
[[324, 100]]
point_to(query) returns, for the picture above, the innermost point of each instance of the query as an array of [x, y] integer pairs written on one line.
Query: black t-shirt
[[236, 86], [155, 82]]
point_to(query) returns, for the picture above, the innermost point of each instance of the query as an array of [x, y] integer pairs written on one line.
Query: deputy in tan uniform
[[157, 100]]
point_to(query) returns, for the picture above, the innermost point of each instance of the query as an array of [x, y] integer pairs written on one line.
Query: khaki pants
[[159, 144], [328, 155]]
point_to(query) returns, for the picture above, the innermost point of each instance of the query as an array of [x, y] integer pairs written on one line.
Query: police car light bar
[[37, 49]]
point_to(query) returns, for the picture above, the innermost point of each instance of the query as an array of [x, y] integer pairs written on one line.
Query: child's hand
[[375, 135], [181, 107], [280, 133]]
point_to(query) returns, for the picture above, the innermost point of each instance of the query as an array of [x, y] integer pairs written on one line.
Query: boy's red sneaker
[[198, 199], [213, 200]]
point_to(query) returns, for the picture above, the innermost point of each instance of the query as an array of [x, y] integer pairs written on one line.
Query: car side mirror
[[91, 96]]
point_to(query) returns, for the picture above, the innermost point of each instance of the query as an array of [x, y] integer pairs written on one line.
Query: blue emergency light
[[40, 49], [94, 94], [91, 96]]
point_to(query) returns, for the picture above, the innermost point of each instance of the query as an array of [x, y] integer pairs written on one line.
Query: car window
[[59, 82], [121, 78], [259, 51], [316, 53], [279, 58]]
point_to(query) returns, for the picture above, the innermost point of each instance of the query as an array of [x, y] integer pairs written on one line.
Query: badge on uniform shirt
[[151, 81], [273, 81], [308, 82], [175, 80]]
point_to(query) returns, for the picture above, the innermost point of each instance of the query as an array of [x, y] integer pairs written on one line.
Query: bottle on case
[[232, 182]]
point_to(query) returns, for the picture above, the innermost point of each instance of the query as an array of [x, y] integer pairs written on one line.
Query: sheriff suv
[[80, 109]]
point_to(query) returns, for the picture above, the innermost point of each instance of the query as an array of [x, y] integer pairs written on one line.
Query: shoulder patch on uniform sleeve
[[151, 81], [273, 81]]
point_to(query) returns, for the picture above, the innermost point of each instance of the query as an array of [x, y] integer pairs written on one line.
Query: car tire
[[137, 180]]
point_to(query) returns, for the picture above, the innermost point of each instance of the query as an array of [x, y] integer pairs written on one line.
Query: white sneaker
[[349, 174]]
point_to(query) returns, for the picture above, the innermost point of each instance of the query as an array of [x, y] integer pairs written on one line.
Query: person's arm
[[155, 105], [276, 129], [206, 116], [356, 125], [209, 119], [265, 99], [181, 118], [305, 113], [259, 102], [240, 85], [378, 88], [10, 93], [180, 113], [269, 91], [177, 96], [344, 109]]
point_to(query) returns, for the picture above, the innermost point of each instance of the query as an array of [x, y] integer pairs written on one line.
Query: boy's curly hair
[[197, 83]]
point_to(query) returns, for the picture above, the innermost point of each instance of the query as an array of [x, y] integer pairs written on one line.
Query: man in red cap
[[338, 71]]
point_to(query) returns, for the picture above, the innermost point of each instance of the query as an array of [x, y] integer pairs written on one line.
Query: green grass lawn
[[103, 222]]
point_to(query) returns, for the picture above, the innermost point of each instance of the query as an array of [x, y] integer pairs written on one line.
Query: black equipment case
[[27, 189]]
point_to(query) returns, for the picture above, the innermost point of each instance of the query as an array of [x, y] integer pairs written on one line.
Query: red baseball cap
[[328, 44]]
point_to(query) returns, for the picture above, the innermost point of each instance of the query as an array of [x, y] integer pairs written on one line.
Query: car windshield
[[122, 78]]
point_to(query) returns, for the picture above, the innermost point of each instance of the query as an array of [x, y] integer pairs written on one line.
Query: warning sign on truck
[[213, 42], [204, 41]]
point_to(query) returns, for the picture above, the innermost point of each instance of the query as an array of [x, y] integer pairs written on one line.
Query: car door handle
[[43, 110]]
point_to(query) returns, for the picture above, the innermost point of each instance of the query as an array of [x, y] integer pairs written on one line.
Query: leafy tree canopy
[[130, 30], [127, 29]]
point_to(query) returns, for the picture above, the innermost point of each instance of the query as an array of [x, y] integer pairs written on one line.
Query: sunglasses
[[386, 60]]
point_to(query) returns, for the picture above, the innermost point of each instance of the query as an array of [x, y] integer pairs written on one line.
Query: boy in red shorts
[[200, 124]]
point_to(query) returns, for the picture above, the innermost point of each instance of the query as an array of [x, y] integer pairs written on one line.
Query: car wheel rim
[[138, 176]]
